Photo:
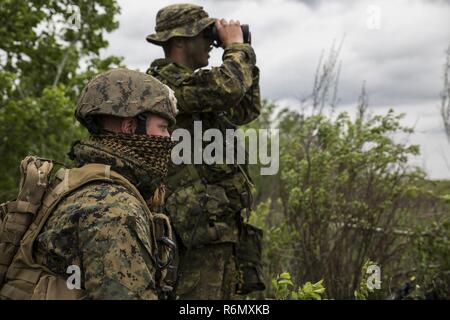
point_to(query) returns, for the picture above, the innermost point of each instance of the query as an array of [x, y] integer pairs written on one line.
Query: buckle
[[166, 242], [3, 210]]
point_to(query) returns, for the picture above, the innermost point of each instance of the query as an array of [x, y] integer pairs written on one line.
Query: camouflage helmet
[[124, 93], [179, 20]]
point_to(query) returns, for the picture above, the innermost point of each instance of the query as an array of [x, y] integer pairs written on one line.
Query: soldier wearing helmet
[[104, 224], [129, 112], [206, 202]]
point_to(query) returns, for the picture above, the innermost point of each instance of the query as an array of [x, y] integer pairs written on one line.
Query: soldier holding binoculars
[[219, 254]]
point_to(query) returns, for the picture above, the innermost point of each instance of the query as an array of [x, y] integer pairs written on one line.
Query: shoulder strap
[[162, 73]]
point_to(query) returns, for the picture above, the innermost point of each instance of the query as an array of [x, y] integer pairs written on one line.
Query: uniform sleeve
[[249, 107], [116, 247], [219, 88]]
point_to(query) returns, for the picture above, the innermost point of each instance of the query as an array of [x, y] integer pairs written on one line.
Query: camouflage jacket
[[104, 230], [222, 98]]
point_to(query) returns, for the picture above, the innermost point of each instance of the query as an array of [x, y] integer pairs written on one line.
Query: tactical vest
[[22, 220], [213, 181]]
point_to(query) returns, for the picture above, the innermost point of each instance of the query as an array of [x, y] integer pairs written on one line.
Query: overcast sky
[[401, 59]]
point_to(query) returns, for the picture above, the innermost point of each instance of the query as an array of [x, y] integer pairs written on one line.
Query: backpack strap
[[35, 174], [18, 214]]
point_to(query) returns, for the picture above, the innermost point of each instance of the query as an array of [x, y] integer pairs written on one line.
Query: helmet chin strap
[[141, 127]]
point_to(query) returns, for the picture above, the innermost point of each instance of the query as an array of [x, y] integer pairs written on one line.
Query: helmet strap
[[141, 124]]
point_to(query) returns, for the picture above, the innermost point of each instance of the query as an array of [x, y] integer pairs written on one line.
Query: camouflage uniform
[[105, 228], [223, 98]]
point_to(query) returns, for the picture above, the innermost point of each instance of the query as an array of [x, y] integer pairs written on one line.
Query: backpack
[[21, 221]]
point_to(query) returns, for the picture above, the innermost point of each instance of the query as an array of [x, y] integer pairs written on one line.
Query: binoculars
[[211, 32]]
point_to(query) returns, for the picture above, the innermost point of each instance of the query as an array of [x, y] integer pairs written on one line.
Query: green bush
[[283, 287], [345, 194]]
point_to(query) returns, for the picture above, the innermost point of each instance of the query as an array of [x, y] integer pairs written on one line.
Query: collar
[[87, 151], [164, 63]]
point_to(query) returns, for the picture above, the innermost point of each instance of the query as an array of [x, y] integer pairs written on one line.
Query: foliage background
[[48, 53]]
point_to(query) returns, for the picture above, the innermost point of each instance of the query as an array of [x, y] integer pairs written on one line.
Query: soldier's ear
[[128, 125], [177, 42]]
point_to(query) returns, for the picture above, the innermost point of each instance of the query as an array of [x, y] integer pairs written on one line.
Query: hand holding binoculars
[[212, 33]]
